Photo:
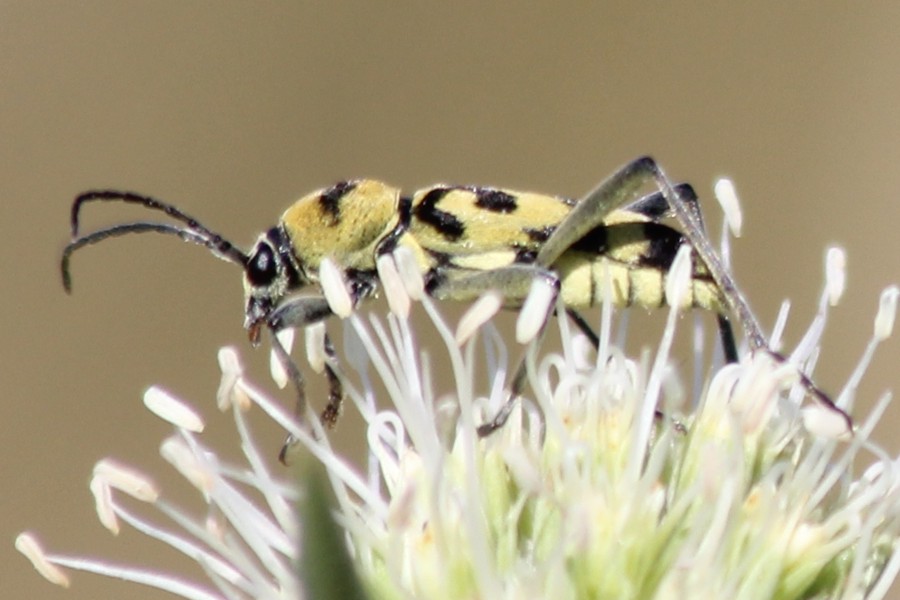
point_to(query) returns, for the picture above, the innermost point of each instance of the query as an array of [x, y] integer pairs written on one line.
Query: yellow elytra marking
[[487, 231]]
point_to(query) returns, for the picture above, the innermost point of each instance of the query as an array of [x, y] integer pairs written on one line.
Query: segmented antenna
[[193, 232]]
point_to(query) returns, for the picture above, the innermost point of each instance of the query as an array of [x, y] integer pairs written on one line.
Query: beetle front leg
[[301, 312], [298, 312], [332, 410]]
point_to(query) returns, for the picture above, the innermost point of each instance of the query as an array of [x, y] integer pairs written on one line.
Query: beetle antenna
[[217, 243], [200, 236]]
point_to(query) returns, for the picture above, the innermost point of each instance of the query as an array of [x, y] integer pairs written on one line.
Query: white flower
[[606, 482]]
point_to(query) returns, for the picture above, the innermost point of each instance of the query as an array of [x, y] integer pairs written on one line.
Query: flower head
[[605, 482]]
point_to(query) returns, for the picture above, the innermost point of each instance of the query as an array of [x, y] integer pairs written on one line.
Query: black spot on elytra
[[663, 245], [445, 223], [441, 259], [661, 241], [495, 200], [330, 200], [539, 235], [525, 256], [594, 241]]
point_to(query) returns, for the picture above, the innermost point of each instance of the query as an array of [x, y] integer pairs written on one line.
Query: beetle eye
[[262, 268]]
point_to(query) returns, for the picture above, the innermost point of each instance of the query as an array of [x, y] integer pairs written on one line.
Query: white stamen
[[674, 392], [780, 323], [315, 346], [168, 408], [835, 274], [216, 525], [148, 578], [825, 422], [679, 278], [805, 539], [410, 273], [535, 309], [731, 206], [103, 504], [177, 453], [232, 371], [523, 469], [276, 368], [887, 311], [478, 314], [355, 349], [286, 337], [392, 283], [28, 545], [127, 480], [334, 287], [229, 362]]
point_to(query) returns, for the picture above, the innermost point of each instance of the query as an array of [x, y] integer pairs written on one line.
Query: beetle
[[467, 240]]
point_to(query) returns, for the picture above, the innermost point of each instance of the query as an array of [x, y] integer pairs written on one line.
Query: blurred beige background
[[233, 110]]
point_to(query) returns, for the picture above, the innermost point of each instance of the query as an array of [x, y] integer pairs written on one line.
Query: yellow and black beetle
[[467, 240]]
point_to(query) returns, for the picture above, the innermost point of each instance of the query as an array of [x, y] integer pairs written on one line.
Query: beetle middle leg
[[615, 193], [514, 282]]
